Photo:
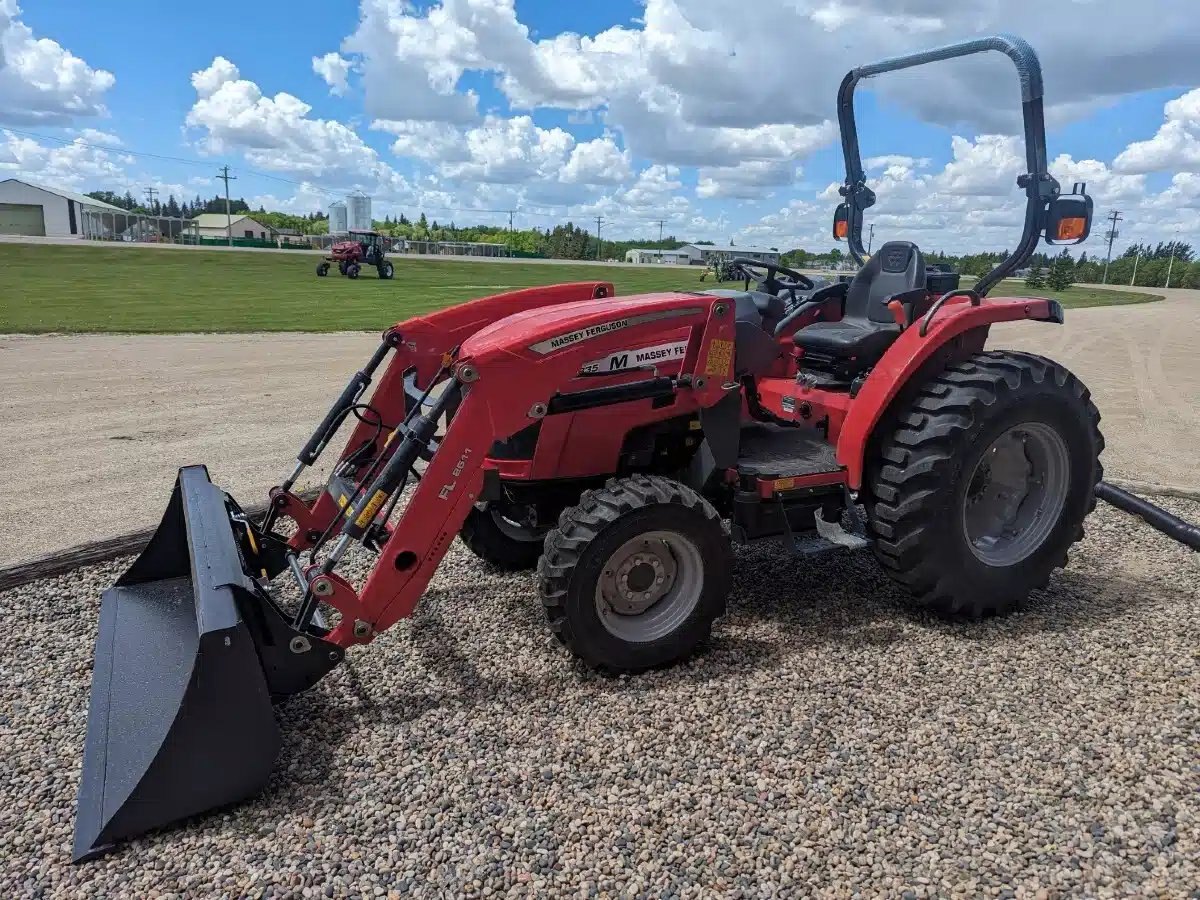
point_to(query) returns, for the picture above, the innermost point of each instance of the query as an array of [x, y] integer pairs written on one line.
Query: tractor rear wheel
[[387, 270], [499, 535], [634, 576], [984, 482]]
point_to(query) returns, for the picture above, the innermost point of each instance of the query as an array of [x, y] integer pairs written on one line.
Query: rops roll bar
[[1040, 187]]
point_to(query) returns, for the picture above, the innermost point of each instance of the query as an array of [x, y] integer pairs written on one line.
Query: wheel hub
[[1016, 493], [637, 576], [650, 586]]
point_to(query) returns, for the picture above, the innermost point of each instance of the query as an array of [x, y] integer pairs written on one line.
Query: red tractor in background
[[365, 248], [622, 446]]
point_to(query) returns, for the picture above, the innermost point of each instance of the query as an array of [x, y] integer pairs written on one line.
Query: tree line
[[570, 241], [1059, 271]]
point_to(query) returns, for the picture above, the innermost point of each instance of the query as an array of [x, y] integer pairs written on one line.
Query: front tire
[[322, 269], [387, 271], [496, 537], [634, 576], [352, 270], [984, 483]]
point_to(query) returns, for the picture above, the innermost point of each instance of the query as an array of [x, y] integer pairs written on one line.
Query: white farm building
[[701, 254], [30, 209]]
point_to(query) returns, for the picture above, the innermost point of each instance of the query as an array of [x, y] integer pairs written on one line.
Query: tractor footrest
[[774, 451]]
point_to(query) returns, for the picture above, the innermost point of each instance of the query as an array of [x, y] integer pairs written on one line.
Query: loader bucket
[[188, 656]]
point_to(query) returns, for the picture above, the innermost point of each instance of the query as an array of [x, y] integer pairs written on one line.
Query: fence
[[275, 244], [99, 224]]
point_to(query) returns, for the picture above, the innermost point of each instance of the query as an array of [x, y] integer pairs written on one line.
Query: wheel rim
[[649, 586], [1016, 494], [515, 529]]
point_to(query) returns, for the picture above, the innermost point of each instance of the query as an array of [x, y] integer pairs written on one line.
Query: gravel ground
[[828, 743]]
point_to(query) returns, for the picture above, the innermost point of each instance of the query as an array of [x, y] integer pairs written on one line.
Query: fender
[[911, 351]]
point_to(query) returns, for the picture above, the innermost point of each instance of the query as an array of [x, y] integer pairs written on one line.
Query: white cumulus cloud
[[41, 82]]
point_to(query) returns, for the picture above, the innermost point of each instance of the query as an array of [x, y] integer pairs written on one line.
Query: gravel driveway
[[828, 743]]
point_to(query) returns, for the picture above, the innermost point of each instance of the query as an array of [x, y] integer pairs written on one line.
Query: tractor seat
[[867, 327]]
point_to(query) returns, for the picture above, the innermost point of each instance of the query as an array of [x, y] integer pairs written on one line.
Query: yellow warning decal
[[784, 484], [341, 502], [368, 511], [719, 363]]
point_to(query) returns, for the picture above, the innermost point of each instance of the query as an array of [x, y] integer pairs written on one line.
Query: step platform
[[793, 488]]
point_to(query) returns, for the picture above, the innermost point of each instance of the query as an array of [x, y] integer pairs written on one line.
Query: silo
[[338, 221], [359, 205]]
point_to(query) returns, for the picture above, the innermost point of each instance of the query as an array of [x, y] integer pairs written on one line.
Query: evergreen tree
[[1035, 281], [1062, 272]]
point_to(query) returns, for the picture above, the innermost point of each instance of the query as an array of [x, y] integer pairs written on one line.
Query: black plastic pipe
[[1154, 516]]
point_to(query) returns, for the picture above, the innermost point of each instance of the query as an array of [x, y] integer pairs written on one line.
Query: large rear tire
[[496, 536], [984, 481], [634, 576]]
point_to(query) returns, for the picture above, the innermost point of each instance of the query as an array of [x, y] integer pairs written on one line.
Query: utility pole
[[599, 222], [870, 239], [150, 192], [1137, 259], [1171, 264], [1114, 217], [660, 228], [226, 177]]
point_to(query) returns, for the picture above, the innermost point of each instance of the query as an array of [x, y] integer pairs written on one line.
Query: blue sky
[[673, 110]]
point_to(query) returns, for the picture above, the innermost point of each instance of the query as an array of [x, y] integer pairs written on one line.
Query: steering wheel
[[769, 283]]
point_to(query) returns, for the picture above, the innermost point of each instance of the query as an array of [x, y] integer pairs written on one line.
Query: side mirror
[[1069, 217], [841, 222]]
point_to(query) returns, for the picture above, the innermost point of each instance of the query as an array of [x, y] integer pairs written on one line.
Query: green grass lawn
[[118, 289]]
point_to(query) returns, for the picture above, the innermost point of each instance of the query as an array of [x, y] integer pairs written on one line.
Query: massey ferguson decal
[[636, 358], [593, 331]]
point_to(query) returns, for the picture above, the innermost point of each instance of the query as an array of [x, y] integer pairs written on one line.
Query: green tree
[[1035, 281], [1062, 272]]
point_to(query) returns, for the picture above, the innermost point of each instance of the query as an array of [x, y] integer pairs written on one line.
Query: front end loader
[[621, 446]]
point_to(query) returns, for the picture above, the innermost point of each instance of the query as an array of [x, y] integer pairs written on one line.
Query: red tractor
[[365, 248], [623, 446]]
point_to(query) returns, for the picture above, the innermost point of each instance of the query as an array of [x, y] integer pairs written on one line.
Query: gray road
[[93, 427]]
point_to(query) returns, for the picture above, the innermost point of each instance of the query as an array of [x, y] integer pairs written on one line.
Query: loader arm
[[419, 347], [506, 376]]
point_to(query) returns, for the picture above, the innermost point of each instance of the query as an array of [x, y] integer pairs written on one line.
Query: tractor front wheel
[[351, 270], [634, 576], [503, 536], [984, 481], [341, 267], [322, 269], [387, 270]]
